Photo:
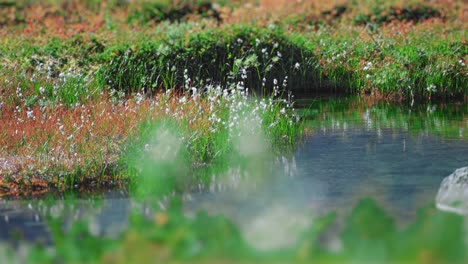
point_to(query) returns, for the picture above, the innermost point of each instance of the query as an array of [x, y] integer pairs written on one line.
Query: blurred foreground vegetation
[[368, 234]]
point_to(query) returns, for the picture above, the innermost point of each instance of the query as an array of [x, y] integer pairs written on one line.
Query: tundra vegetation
[[159, 96]]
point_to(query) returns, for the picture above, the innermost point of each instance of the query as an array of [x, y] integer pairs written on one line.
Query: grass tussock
[[58, 147]]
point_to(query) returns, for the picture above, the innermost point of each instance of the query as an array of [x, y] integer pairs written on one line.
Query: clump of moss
[[175, 12], [411, 13]]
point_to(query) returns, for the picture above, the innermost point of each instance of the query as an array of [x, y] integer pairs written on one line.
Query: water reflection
[[21, 222], [335, 169], [106, 215]]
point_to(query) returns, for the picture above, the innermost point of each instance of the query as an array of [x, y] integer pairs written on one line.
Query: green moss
[[385, 14]]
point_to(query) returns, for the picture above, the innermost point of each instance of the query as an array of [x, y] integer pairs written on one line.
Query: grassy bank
[[414, 51], [81, 79], [98, 143]]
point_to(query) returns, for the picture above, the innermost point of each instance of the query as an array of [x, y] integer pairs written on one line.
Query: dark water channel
[[396, 154]]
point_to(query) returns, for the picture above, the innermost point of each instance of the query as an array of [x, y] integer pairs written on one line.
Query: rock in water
[[453, 192]]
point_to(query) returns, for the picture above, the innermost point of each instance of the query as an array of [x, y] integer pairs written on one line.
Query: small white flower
[[368, 66], [297, 66], [61, 130], [431, 109], [138, 98], [257, 42], [30, 113], [244, 73], [431, 88]]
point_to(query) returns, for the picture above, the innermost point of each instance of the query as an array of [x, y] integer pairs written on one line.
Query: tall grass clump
[[223, 128], [252, 56]]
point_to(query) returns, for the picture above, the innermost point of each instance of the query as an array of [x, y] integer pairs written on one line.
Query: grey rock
[[453, 192]]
